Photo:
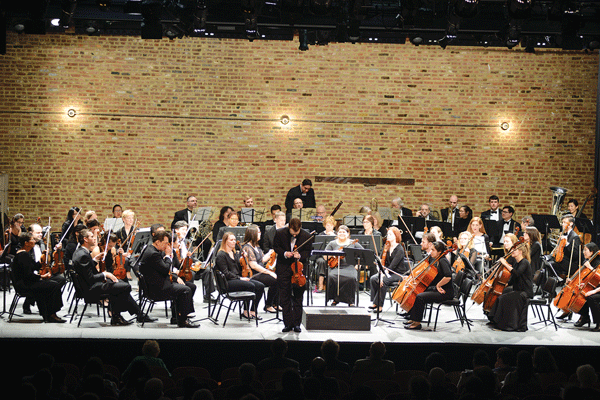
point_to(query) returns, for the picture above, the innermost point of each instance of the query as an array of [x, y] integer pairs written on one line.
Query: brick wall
[[158, 120]]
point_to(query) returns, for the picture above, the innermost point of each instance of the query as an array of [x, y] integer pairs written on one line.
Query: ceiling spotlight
[[71, 112], [284, 120], [303, 38], [504, 126]]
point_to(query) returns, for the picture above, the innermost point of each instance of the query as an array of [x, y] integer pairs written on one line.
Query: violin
[[298, 278], [459, 264], [333, 261], [493, 286], [559, 251], [132, 234], [246, 270], [119, 270], [271, 262], [188, 266], [45, 259]]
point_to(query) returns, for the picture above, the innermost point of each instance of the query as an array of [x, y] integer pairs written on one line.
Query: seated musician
[[99, 283], [46, 292], [368, 224], [342, 283], [221, 222], [521, 280], [465, 247], [592, 297], [569, 244], [227, 261], [465, 215], [279, 222], [181, 247], [573, 206], [296, 205], [395, 267], [69, 240], [439, 290], [321, 265], [257, 260], [155, 264], [481, 242], [533, 238], [126, 231], [89, 216], [13, 232], [111, 252]]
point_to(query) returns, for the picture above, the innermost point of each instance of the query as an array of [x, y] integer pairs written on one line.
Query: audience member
[[277, 360], [150, 352], [247, 385], [523, 381], [375, 363], [330, 350]]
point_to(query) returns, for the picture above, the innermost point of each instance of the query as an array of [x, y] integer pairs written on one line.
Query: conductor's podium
[[336, 318]]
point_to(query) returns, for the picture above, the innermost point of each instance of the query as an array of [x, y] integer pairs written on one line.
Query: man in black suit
[[100, 283], [304, 192], [493, 214], [507, 224], [291, 295], [156, 268], [186, 213], [270, 230]]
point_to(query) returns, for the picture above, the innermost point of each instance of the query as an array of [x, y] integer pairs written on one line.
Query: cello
[[570, 297], [418, 281], [493, 286]]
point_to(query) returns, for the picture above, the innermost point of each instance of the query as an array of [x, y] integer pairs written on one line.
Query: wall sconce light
[[284, 120], [504, 126], [71, 112]]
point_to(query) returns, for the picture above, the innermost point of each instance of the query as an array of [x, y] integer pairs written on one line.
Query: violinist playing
[[228, 262], [345, 290], [368, 224], [256, 261], [180, 252], [465, 247], [288, 257], [13, 232], [395, 266], [592, 297], [439, 290], [515, 294], [124, 234], [481, 243], [46, 292]]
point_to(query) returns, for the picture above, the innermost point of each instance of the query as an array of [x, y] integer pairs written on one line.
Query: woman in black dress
[[533, 237], [227, 261], [439, 290], [342, 281], [592, 296], [395, 265]]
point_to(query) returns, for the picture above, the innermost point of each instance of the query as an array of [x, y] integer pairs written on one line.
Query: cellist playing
[[439, 290], [592, 297]]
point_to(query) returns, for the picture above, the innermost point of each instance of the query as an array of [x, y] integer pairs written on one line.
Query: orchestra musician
[[502, 314], [320, 213], [493, 214], [221, 222], [368, 224], [89, 216], [465, 246], [394, 268], [291, 295], [342, 282], [117, 211], [155, 264], [227, 261], [533, 237], [125, 232], [481, 242], [13, 232], [398, 204], [304, 192], [257, 261], [99, 283], [450, 214], [592, 297], [571, 248], [267, 242], [507, 224], [321, 265], [573, 207], [440, 289], [425, 212], [465, 215], [185, 214], [46, 292]]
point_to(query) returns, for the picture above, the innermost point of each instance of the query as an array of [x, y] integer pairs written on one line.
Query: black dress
[[395, 261], [346, 275], [431, 294], [230, 268]]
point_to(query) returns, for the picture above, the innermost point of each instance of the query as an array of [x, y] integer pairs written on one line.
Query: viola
[[572, 295], [119, 264], [493, 286], [418, 281], [132, 234], [333, 261], [58, 265], [185, 272], [559, 251]]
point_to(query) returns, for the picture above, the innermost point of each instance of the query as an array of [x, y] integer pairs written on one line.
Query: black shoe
[[187, 324], [564, 315], [286, 329], [272, 310], [582, 321], [407, 322], [55, 319], [297, 329], [145, 318], [413, 328], [372, 307], [403, 315], [26, 310], [118, 321], [596, 329], [173, 321]]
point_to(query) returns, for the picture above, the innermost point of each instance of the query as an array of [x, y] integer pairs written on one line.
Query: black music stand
[[545, 223], [247, 215], [353, 221], [366, 241], [209, 266], [584, 226], [414, 224], [312, 259], [238, 231], [446, 227], [5, 263], [362, 258], [329, 253], [142, 238]]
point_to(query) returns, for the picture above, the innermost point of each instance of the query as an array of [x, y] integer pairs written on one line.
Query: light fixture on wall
[[504, 126], [284, 120], [71, 112]]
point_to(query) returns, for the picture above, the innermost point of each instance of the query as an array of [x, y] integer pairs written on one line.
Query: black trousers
[[592, 304], [271, 283], [378, 292], [252, 285], [119, 295], [47, 293], [291, 297], [431, 295]]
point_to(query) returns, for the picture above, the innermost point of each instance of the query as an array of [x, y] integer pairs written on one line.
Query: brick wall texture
[[158, 120]]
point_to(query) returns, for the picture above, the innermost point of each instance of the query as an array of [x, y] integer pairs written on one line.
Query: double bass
[[419, 280], [493, 286]]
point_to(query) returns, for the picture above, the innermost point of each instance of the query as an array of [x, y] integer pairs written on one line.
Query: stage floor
[[93, 327]]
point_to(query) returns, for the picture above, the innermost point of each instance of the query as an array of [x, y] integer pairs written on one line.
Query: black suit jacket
[[308, 200], [268, 238], [85, 266], [156, 269], [181, 215], [444, 214], [492, 228], [512, 225], [282, 244]]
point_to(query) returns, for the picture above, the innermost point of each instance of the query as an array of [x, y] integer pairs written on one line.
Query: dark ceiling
[[573, 25]]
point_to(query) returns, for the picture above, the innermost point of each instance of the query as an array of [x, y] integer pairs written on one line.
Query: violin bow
[[69, 228], [406, 226]]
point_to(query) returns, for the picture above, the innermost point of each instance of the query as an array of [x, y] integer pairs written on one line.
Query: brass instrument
[[558, 196]]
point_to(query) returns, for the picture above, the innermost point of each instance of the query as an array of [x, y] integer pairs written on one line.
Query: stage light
[[71, 112], [504, 126], [284, 120]]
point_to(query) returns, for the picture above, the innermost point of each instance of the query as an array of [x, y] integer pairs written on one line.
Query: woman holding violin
[[439, 290], [395, 266], [592, 297], [465, 247], [321, 265], [228, 262], [257, 260], [342, 282], [13, 232]]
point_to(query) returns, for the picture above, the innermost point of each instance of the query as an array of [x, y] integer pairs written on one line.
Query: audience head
[[279, 347], [586, 376], [330, 349], [377, 350], [247, 373], [543, 360], [151, 348]]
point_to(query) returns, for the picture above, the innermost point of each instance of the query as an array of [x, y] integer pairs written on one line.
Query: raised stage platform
[[217, 347]]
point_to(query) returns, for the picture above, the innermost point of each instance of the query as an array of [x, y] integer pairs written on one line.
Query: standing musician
[[465, 215], [304, 192], [345, 289], [155, 264], [99, 283], [503, 314], [533, 237], [257, 260], [186, 213], [287, 255], [395, 266], [321, 265], [440, 289], [493, 214], [450, 214], [593, 296], [227, 261], [46, 292]]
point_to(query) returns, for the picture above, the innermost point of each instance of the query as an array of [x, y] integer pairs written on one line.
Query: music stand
[[545, 223], [304, 214], [142, 237], [329, 253], [208, 265], [414, 224], [352, 221], [202, 214], [113, 224], [238, 231], [247, 215], [366, 241], [446, 227], [584, 226], [361, 258]]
